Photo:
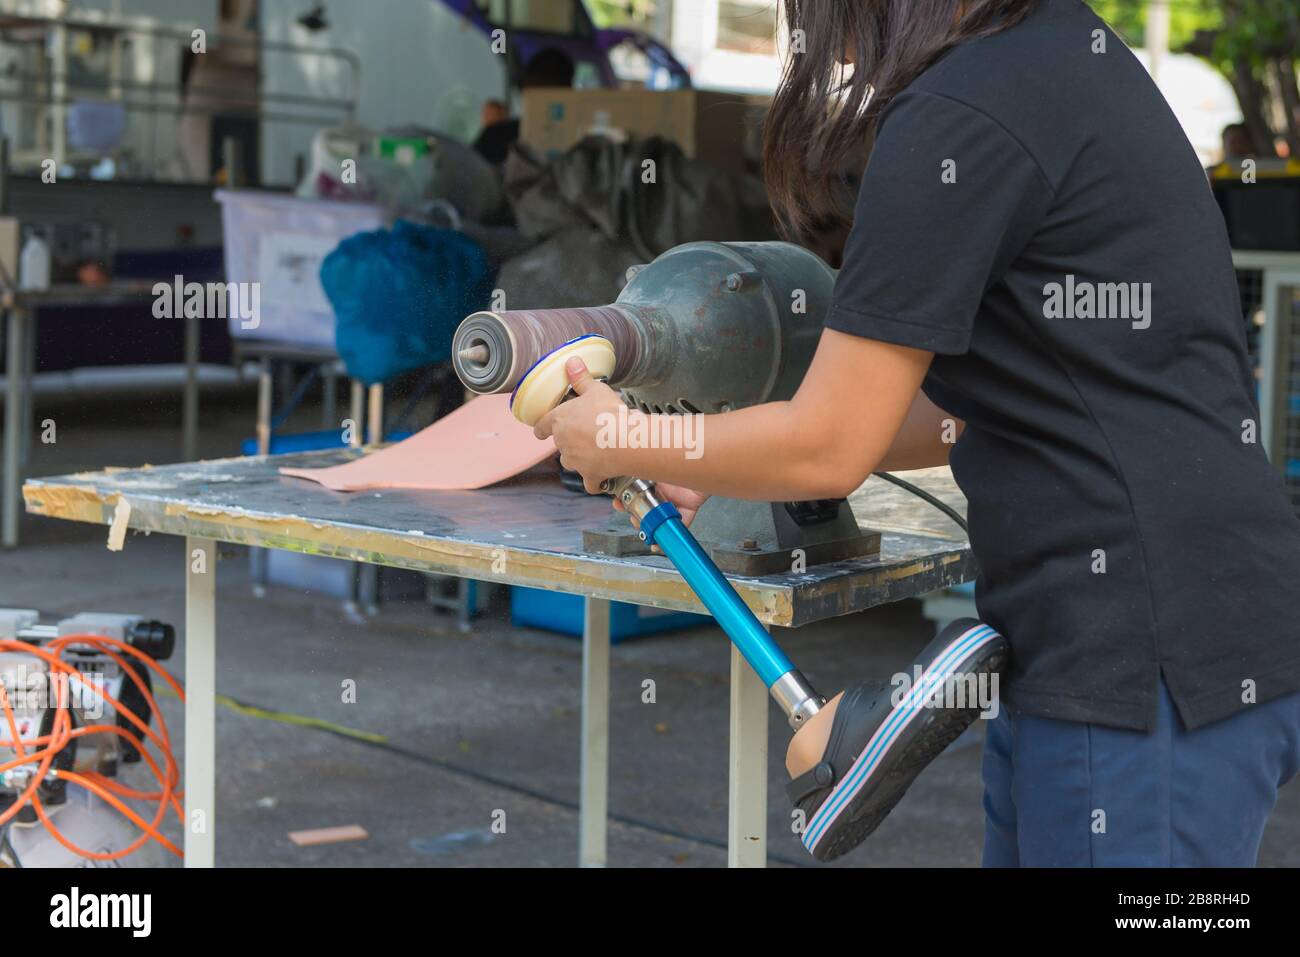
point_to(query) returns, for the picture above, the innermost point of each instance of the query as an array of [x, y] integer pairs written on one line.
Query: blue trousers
[[1064, 794]]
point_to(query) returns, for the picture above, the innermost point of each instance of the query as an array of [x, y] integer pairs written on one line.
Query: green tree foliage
[[1129, 19], [1254, 43], [621, 13]]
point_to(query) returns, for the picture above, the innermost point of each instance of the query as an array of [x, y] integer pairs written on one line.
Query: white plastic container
[[279, 241], [34, 264]]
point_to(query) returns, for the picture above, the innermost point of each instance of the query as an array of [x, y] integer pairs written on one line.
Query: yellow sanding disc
[[544, 385]]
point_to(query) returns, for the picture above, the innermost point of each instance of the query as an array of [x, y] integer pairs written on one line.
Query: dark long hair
[[823, 113]]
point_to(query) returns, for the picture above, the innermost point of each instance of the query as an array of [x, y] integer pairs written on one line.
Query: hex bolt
[[749, 544], [739, 281]]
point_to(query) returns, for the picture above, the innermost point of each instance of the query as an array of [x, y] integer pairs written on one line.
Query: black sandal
[[884, 735]]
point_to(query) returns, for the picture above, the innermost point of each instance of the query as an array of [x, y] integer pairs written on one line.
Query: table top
[[275, 349], [527, 531], [114, 292]]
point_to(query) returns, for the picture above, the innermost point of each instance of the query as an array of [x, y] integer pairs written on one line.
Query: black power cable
[[921, 493]]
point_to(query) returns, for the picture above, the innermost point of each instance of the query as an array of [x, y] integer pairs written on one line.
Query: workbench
[[527, 531], [20, 368]]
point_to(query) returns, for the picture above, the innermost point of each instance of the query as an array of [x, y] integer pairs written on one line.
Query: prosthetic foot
[[859, 754], [850, 759]]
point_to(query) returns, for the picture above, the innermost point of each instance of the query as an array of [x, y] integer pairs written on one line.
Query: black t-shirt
[[1033, 214]]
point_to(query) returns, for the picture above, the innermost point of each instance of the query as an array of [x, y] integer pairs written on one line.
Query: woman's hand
[[583, 426], [576, 427]]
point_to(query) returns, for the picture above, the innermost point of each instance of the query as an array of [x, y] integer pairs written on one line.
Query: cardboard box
[[723, 129]]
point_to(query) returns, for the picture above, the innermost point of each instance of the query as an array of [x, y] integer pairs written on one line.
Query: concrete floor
[[475, 723]]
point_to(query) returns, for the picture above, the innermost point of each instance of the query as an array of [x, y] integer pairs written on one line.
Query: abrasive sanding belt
[[519, 338]]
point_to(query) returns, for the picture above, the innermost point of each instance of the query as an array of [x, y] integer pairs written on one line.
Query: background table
[[20, 368]]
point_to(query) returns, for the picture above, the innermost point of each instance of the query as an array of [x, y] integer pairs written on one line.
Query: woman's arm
[[927, 436], [840, 427]]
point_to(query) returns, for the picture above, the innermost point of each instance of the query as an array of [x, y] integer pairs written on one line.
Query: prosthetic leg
[[852, 758]]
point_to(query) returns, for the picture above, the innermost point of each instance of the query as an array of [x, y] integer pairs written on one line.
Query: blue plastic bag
[[399, 294]]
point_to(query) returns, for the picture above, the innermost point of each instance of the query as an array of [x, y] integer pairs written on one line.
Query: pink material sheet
[[478, 445]]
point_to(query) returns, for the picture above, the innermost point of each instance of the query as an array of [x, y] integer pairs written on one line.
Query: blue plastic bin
[[559, 612], [290, 442]]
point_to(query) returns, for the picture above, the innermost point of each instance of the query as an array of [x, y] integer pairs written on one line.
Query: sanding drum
[[706, 327]]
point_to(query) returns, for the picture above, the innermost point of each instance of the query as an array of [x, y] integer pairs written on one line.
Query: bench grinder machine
[[707, 327]]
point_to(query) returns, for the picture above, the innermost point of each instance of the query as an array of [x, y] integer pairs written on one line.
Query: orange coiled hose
[[46, 747]]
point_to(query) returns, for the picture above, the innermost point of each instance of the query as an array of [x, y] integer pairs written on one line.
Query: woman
[[1036, 250]]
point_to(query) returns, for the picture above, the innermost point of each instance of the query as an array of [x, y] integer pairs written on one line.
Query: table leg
[[357, 412], [367, 588], [190, 395], [593, 792], [200, 701], [15, 366], [375, 413], [747, 778], [28, 408], [265, 384]]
